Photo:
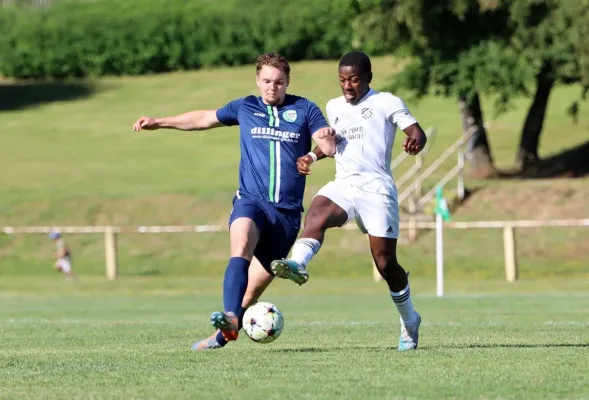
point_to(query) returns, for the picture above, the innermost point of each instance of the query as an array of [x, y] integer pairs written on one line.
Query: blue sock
[[234, 287], [235, 284], [221, 339]]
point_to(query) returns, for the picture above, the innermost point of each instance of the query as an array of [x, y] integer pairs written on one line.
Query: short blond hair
[[273, 60]]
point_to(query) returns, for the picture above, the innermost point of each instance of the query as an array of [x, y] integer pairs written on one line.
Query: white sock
[[403, 302], [303, 250]]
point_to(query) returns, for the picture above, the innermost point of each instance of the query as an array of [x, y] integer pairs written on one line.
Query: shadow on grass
[[381, 349], [15, 96], [570, 163], [519, 345], [302, 350], [329, 348]]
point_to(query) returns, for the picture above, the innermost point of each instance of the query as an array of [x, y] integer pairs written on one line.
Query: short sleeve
[[315, 118], [397, 112], [329, 112], [227, 115]]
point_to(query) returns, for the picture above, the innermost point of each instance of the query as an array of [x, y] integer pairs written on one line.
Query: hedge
[[113, 37]]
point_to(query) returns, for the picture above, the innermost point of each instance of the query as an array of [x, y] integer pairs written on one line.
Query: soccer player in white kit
[[365, 122]]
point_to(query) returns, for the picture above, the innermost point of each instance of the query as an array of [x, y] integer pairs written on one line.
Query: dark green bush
[[112, 37]]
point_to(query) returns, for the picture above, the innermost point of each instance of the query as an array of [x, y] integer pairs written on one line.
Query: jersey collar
[[368, 94]]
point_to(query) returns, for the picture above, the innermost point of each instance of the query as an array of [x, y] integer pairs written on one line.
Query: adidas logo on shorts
[[390, 229]]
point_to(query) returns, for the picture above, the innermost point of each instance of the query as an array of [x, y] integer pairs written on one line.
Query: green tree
[[553, 38], [445, 40], [465, 48]]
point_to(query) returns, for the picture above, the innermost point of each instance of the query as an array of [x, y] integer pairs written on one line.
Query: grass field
[[130, 339], [68, 157]]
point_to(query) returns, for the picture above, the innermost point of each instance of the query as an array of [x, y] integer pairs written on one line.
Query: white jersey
[[365, 133]]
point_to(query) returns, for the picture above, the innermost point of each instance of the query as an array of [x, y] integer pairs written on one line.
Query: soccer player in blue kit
[[275, 130]]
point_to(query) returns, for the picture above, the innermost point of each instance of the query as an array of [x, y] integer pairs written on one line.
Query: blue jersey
[[271, 140]]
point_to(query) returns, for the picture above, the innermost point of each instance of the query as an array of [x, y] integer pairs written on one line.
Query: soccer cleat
[[207, 344], [409, 334], [227, 323], [288, 269]]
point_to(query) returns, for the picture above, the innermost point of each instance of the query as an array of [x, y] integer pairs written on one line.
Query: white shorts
[[65, 264], [375, 213]]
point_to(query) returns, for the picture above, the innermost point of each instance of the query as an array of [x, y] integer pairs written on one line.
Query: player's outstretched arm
[[415, 140], [304, 162], [191, 121], [323, 135], [325, 140]]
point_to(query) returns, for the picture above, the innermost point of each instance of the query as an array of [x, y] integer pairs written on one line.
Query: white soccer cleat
[[409, 334]]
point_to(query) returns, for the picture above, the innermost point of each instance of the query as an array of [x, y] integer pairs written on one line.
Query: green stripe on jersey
[[272, 171], [271, 115]]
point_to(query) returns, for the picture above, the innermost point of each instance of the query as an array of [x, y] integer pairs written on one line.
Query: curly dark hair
[[273, 60]]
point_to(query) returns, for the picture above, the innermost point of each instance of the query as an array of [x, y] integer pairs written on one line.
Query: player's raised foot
[[288, 269], [410, 334], [227, 323], [209, 343]]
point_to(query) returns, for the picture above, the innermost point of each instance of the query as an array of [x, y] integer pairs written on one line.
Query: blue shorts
[[278, 227]]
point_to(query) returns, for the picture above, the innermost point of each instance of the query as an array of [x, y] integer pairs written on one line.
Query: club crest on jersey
[[366, 113], [289, 115]]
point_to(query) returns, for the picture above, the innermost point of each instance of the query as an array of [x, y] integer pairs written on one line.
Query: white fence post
[[510, 253], [110, 253], [439, 255]]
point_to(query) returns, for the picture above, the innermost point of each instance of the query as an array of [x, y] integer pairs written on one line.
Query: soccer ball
[[263, 322]]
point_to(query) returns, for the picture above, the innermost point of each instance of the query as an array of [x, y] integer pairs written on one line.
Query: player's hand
[[326, 132], [413, 145], [146, 123], [304, 164]]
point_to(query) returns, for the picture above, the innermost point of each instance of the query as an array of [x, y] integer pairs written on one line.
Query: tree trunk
[[478, 152], [527, 154]]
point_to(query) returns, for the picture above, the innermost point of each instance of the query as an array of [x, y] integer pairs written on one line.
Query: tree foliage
[[463, 48]]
